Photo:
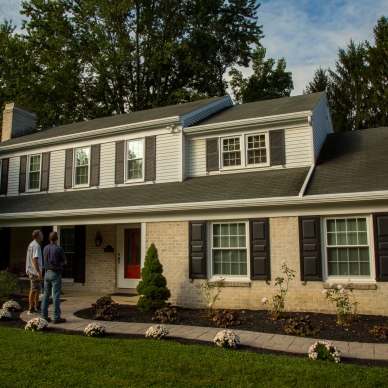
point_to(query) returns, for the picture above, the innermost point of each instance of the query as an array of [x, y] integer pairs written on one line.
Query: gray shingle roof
[[352, 162], [265, 108], [250, 185], [113, 121]]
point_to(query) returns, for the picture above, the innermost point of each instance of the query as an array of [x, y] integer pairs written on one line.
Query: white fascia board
[[289, 117], [94, 133], [261, 202]]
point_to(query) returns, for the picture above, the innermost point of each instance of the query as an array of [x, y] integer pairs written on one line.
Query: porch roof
[[239, 186]]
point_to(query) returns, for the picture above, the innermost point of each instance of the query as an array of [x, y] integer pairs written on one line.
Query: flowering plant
[[11, 305], [95, 329], [5, 314], [280, 297], [210, 291], [339, 297], [325, 350], [157, 332], [36, 324], [226, 339]]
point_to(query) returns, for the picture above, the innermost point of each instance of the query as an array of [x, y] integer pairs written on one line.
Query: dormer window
[[34, 171], [135, 159], [256, 149], [231, 152], [82, 157]]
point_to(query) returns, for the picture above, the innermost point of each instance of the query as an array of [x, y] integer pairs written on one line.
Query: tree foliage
[[358, 86], [265, 83], [83, 59]]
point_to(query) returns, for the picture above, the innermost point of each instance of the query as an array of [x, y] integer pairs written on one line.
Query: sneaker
[[38, 309], [59, 320], [32, 312]]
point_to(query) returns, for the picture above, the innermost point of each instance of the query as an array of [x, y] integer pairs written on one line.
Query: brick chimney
[[17, 121]]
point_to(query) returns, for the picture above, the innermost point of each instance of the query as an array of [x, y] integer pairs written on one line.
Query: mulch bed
[[255, 320]]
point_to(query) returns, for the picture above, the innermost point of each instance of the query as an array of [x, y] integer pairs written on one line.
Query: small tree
[[7, 284], [152, 287]]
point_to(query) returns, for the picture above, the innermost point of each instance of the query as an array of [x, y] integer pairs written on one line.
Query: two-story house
[[221, 189]]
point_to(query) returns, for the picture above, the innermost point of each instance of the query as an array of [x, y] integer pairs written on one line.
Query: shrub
[[95, 329], [156, 332], [380, 332], [105, 309], [18, 269], [166, 315], [4, 314], [11, 305], [210, 292], [152, 286], [36, 324], [226, 339], [225, 318], [300, 325], [339, 296], [7, 284], [324, 350], [278, 300]]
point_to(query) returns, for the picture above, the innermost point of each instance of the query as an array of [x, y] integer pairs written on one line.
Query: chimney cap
[[12, 105]]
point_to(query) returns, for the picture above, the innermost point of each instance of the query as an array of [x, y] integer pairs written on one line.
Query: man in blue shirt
[[53, 260]]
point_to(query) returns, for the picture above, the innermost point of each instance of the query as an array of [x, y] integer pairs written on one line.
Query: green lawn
[[42, 360]]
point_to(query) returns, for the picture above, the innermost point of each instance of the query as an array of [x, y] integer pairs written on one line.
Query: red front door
[[132, 253]]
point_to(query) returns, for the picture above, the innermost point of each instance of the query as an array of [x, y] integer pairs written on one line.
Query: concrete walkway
[[74, 301]]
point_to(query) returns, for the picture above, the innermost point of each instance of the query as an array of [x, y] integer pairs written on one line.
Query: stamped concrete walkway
[[74, 301]]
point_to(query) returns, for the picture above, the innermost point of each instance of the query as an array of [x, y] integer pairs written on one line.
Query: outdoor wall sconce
[[98, 239]]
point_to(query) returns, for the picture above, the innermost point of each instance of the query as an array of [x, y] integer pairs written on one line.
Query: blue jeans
[[52, 284]]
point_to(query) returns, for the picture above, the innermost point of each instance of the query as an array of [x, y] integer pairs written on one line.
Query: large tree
[[93, 58], [265, 83]]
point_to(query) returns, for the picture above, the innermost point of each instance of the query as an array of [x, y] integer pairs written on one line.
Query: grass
[[35, 359]]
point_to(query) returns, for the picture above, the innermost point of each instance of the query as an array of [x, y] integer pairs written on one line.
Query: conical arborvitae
[[152, 287]]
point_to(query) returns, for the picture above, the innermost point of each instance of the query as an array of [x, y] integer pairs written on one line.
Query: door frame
[[121, 281]]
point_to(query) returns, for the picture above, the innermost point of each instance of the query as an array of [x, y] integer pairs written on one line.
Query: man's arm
[[35, 263]]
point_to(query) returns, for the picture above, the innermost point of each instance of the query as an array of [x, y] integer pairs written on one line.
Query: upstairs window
[[231, 152], [135, 159], [82, 158], [256, 149], [34, 171]]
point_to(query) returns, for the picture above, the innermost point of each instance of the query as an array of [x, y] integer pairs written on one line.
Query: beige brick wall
[[171, 240]]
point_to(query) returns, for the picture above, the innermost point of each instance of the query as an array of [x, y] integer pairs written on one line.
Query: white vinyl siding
[[13, 176], [298, 147], [168, 158], [196, 157], [107, 165], [57, 171]]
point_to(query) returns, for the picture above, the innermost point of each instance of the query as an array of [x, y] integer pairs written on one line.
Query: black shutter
[[4, 176], [119, 171], [80, 253], [5, 244], [380, 224], [22, 174], [69, 169], [212, 158], [276, 141], [150, 158], [44, 186], [95, 165], [310, 248], [260, 249], [197, 250], [46, 230]]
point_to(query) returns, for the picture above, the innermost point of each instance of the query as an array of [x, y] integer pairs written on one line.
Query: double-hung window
[[82, 162], [347, 248], [67, 242], [134, 159], [229, 249], [231, 151], [34, 171], [256, 149]]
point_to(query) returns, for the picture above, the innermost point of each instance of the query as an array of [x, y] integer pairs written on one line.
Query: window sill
[[134, 181], [356, 286], [32, 190], [81, 186], [234, 283], [249, 166]]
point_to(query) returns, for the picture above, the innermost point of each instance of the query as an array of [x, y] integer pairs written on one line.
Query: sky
[[307, 33]]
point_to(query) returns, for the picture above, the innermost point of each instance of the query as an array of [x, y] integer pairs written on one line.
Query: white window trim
[[344, 279], [28, 190], [126, 180], [75, 168], [229, 278], [244, 151]]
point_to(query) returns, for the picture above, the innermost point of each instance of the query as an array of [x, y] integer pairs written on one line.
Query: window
[[67, 242], [135, 159], [231, 152], [82, 157], [33, 177], [347, 247], [229, 249], [256, 149]]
